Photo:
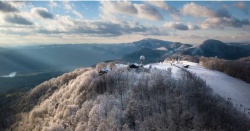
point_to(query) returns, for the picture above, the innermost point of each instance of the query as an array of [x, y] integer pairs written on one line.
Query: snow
[[121, 65], [163, 66], [222, 84]]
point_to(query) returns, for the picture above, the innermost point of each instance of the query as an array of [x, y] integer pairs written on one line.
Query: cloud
[[224, 22], [180, 26], [42, 12], [243, 6], [221, 13], [17, 19], [143, 11], [77, 14], [67, 5], [67, 25], [148, 12], [69, 8], [6, 7], [119, 7], [164, 6], [193, 27], [196, 10], [53, 4], [218, 19], [176, 25]]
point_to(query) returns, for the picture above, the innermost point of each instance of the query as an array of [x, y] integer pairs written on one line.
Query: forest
[[126, 100]]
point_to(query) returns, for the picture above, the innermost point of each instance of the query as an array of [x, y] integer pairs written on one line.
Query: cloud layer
[[122, 19], [68, 25]]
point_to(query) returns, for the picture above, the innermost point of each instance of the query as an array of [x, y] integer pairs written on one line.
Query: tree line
[[235, 68]]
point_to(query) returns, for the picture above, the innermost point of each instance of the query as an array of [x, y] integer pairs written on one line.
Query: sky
[[73, 22]]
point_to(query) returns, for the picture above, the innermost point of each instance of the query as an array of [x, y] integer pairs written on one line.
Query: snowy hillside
[[230, 88], [125, 99]]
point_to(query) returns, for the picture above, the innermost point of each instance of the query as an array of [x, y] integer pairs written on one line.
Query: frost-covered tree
[[126, 100], [100, 66]]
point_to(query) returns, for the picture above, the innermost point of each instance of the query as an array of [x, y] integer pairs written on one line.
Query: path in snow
[[224, 85]]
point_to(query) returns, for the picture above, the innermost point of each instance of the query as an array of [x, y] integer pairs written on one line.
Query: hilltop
[[123, 99]]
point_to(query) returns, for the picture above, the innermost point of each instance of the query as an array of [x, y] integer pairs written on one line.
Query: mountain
[[156, 44], [122, 100], [154, 50], [151, 43], [215, 48], [157, 50], [70, 56]]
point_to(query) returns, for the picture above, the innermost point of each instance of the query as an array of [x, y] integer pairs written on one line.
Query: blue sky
[[64, 22]]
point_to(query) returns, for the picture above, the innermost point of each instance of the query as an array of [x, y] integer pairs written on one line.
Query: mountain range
[[39, 59], [71, 56], [159, 50]]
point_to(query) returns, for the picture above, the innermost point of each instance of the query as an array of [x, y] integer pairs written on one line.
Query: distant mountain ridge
[[216, 48], [151, 43], [156, 43], [157, 50]]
